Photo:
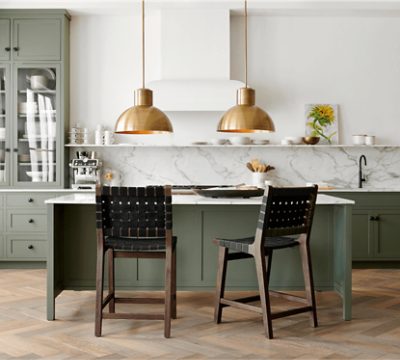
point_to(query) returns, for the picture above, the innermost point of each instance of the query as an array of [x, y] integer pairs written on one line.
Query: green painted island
[[71, 258]]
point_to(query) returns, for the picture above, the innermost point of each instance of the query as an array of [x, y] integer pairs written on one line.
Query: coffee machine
[[86, 170]]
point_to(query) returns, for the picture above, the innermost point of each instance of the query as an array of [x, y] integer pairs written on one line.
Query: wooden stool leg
[[263, 272], [168, 292], [111, 280], [308, 279], [173, 310], [220, 287], [99, 292]]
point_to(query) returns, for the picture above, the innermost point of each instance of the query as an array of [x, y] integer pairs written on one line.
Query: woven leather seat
[[134, 222], [279, 242], [137, 244], [285, 221]]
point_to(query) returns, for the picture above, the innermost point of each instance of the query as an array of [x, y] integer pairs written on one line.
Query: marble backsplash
[[336, 166]]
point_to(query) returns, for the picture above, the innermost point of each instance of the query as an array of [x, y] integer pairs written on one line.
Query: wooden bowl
[[311, 140]]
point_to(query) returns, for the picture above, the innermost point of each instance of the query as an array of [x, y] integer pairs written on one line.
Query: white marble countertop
[[89, 199]]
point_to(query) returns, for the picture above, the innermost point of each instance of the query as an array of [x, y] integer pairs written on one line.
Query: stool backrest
[[134, 211], [286, 211]]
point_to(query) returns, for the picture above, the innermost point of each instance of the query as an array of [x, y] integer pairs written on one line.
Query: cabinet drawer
[[20, 247], [26, 200], [21, 221]]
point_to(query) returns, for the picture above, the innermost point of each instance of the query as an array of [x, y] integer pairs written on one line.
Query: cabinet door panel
[[5, 41], [26, 247], [388, 236], [362, 236], [37, 39]]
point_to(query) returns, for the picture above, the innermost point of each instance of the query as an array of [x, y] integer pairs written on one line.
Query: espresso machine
[[86, 170]]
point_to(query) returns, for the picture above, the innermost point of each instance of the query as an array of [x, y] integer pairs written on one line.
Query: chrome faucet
[[361, 178]]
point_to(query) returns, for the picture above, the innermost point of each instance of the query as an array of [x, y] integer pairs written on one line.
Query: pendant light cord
[[143, 48], [245, 40]]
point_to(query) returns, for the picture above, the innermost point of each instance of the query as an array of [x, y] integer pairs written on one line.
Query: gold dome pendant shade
[[246, 117], [143, 118]]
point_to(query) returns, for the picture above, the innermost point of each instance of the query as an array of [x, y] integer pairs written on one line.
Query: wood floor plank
[[25, 334]]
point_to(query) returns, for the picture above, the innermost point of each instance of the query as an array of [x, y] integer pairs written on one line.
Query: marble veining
[[336, 166]]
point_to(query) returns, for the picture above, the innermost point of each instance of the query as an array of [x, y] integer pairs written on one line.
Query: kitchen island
[[71, 258]]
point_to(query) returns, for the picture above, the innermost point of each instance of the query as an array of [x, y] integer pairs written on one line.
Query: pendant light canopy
[[246, 117], [143, 118]]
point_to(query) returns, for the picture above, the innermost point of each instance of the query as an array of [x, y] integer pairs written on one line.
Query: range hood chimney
[[194, 61]]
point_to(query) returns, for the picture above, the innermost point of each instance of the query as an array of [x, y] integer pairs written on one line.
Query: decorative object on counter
[[219, 141], [294, 140], [286, 142], [79, 135], [240, 140], [321, 185], [322, 121], [143, 117], [98, 135], [243, 191], [86, 169], [260, 141], [108, 137], [359, 139], [370, 140], [246, 117], [111, 177], [311, 140], [259, 172]]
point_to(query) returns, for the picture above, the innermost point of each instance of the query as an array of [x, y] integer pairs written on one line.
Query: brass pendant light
[[246, 117], [143, 118]]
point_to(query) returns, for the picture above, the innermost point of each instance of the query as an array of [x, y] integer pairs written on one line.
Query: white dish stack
[[79, 135]]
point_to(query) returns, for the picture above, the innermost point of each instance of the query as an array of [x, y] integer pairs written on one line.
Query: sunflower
[[322, 116]]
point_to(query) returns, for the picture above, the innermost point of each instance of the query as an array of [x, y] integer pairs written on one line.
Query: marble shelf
[[228, 146]]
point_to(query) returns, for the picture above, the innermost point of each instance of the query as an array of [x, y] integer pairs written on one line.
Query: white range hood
[[193, 63]]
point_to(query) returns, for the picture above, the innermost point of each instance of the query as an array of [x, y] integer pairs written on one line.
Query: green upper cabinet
[[5, 39], [37, 39]]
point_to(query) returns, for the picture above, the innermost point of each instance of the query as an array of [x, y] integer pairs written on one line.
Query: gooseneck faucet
[[361, 178]]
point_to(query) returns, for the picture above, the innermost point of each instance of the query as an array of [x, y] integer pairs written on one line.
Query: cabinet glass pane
[[3, 130], [36, 128]]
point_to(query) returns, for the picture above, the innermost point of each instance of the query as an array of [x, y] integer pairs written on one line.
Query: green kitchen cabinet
[[376, 226], [5, 39], [34, 92], [37, 39]]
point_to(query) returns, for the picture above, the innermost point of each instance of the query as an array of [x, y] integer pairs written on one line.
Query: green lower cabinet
[[363, 237], [25, 247], [387, 235]]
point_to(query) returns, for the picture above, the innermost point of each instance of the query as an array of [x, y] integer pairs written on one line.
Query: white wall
[[353, 61]]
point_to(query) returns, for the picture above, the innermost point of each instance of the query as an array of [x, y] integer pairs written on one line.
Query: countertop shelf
[[227, 146]]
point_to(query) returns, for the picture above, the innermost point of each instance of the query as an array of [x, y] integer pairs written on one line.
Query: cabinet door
[[362, 244], [5, 41], [388, 235], [5, 135], [37, 39], [35, 131]]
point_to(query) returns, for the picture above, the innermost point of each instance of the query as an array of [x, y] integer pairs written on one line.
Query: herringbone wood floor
[[25, 334]]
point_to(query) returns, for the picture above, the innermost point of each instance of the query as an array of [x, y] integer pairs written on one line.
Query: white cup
[[370, 140], [108, 137], [2, 133]]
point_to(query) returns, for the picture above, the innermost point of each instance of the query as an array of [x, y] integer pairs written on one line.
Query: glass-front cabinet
[[35, 130], [4, 125], [30, 125]]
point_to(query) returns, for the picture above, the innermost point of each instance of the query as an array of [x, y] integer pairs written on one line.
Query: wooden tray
[[231, 193]]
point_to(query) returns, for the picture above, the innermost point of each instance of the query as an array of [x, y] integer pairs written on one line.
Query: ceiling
[[114, 7]]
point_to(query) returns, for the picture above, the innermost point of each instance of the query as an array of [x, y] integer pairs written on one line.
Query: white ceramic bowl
[[359, 139], [240, 140], [294, 139], [27, 108]]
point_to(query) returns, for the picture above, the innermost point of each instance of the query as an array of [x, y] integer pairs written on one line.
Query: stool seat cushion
[[242, 245], [137, 244]]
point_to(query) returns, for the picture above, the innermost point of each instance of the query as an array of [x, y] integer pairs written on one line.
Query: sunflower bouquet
[[321, 118]]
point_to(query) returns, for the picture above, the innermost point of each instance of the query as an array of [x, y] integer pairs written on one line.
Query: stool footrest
[[240, 305], [133, 316], [125, 300], [289, 297], [289, 312]]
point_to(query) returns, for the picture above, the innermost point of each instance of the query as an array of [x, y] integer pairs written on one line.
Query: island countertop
[[89, 199]]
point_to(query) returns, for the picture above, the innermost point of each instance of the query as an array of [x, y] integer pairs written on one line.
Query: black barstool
[[285, 212], [134, 222]]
